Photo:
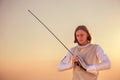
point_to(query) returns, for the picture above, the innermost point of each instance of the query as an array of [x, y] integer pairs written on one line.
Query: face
[[81, 36]]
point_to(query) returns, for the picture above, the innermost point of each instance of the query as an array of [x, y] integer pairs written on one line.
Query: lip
[[80, 40]]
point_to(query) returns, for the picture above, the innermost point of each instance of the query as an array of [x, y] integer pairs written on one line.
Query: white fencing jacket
[[92, 55]]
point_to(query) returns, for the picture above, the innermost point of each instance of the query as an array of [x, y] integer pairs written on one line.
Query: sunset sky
[[29, 52]]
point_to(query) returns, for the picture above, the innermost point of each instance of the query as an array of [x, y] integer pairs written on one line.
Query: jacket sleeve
[[104, 62], [65, 63]]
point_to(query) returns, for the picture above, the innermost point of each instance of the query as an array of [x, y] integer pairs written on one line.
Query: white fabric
[[65, 63], [104, 63]]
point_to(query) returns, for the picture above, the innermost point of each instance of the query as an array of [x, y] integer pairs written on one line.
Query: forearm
[[105, 64], [64, 66]]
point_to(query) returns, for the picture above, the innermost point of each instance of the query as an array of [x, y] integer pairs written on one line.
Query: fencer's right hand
[[74, 59]]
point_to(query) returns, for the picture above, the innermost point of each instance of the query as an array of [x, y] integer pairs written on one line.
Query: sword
[[80, 62]]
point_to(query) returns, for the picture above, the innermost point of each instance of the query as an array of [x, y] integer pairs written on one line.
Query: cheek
[[81, 38], [78, 37], [85, 37]]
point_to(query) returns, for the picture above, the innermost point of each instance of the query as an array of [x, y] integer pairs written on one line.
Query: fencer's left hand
[[92, 69]]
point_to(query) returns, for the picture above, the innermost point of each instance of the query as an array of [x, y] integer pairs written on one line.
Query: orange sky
[[29, 52]]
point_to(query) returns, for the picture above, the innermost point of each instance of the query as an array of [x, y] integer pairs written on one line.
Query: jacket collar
[[83, 46]]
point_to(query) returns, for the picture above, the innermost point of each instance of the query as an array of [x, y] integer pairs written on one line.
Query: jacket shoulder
[[94, 45]]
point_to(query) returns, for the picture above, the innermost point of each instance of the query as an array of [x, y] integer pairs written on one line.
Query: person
[[92, 54]]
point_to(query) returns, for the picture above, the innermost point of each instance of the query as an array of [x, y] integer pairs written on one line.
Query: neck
[[83, 44]]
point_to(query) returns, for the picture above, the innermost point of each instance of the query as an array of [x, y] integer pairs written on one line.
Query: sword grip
[[78, 64]]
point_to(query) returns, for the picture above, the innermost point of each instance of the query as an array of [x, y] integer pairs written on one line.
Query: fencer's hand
[[92, 69], [74, 59]]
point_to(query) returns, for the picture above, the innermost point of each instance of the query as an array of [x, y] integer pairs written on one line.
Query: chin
[[81, 42]]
